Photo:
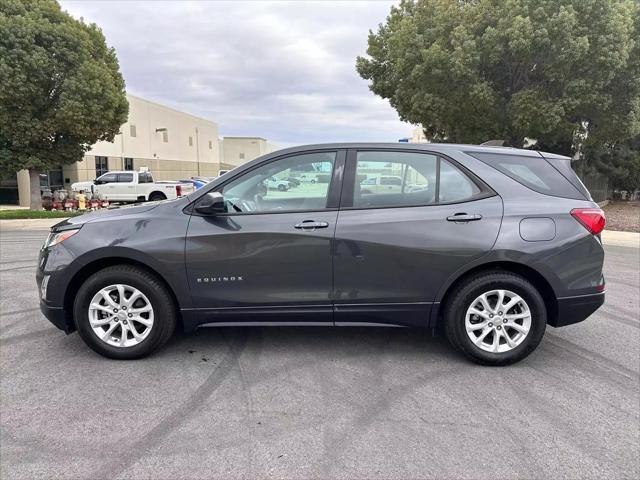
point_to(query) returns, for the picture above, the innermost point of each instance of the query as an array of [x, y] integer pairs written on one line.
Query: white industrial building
[[172, 144]]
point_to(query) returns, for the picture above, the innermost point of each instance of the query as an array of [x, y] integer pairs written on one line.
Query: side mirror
[[211, 203], [97, 182]]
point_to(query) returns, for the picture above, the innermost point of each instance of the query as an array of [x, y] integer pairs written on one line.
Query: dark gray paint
[[387, 266], [540, 229]]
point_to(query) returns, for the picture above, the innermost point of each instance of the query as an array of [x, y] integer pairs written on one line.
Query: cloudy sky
[[280, 70]]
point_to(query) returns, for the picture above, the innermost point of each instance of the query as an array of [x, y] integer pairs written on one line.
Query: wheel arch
[[157, 192], [535, 277], [99, 264]]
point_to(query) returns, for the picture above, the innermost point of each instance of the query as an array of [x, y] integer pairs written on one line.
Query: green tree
[[563, 72], [620, 162], [60, 88]]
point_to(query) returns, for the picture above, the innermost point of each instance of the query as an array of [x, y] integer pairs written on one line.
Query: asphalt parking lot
[[317, 402]]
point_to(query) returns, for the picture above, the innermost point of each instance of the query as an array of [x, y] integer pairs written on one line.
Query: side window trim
[[334, 191], [350, 178]]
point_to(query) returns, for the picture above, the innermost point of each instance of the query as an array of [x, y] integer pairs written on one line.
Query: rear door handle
[[311, 225], [464, 217]]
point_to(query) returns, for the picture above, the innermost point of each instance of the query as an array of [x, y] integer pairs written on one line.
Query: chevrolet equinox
[[488, 244]]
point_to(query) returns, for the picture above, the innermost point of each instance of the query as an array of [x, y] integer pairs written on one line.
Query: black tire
[[282, 188], [156, 196], [163, 308], [462, 298]]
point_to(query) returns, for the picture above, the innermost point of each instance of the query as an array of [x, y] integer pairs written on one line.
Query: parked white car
[[281, 185], [130, 186]]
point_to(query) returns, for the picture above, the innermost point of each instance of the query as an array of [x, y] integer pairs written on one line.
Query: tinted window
[[145, 177], [533, 172], [125, 177], [268, 188], [108, 178], [101, 166], [391, 179], [455, 186]]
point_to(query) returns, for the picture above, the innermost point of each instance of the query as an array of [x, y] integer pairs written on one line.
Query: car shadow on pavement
[[329, 342]]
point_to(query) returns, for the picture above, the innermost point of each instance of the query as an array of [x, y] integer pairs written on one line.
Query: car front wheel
[[496, 318], [124, 312]]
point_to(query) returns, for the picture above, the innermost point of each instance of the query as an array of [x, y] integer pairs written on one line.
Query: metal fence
[[598, 186]]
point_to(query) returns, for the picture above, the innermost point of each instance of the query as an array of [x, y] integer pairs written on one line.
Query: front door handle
[[311, 225], [464, 217]]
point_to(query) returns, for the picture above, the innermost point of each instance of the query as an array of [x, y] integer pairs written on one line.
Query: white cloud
[[281, 70]]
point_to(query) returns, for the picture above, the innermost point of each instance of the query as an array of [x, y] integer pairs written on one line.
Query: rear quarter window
[[532, 172]]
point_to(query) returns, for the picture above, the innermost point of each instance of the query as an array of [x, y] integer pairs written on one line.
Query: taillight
[[591, 218], [179, 190]]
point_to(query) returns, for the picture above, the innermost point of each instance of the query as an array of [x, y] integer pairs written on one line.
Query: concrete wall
[[418, 136], [188, 137], [191, 147], [239, 150]]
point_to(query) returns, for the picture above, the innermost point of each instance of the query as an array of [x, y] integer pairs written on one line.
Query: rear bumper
[[576, 309]]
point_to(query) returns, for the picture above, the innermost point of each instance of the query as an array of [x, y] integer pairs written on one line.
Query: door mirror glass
[[211, 204]]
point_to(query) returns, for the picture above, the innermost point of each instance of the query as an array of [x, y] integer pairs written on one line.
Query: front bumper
[[576, 309], [57, 316]]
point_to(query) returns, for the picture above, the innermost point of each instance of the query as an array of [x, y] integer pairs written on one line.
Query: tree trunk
[[35, 198]]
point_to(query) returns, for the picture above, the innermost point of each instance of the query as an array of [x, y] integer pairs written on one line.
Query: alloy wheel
[[498, 321], [121, 315]]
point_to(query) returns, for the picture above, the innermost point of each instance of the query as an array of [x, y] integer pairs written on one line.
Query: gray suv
[[488, 244]]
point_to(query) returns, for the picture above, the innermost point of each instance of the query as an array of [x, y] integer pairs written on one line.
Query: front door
[[269, 257], [395, 249]]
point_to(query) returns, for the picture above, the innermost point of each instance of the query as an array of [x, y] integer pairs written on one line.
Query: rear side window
[[455, 186], [533, 172], [145, 178], [125, 177], [387, 179]]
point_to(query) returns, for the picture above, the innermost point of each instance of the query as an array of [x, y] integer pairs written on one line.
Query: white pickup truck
[[130, 186]]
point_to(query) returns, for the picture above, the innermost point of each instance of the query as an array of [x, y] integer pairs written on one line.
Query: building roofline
[[244, 138], [161, 105]]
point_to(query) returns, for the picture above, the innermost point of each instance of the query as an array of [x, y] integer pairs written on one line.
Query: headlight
[[55, 238]]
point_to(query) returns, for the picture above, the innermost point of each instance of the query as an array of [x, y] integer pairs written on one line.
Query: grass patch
[[20, 214]]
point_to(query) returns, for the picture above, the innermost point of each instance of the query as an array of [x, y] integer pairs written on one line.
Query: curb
[[29, 224], [621, 239]]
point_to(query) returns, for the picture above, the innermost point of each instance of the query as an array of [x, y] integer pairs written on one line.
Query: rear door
[[394, 249], [125, 186]]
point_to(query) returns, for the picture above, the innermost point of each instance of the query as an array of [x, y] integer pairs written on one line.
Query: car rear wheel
[[124, 312], [156, 196], [496, 318]]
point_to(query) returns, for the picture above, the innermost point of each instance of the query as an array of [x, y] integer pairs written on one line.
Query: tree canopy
[[475, 70], [60, 86]]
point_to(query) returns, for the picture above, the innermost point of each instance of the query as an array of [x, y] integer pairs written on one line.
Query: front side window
[[277, 186], [400, 179], [108, 178]]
